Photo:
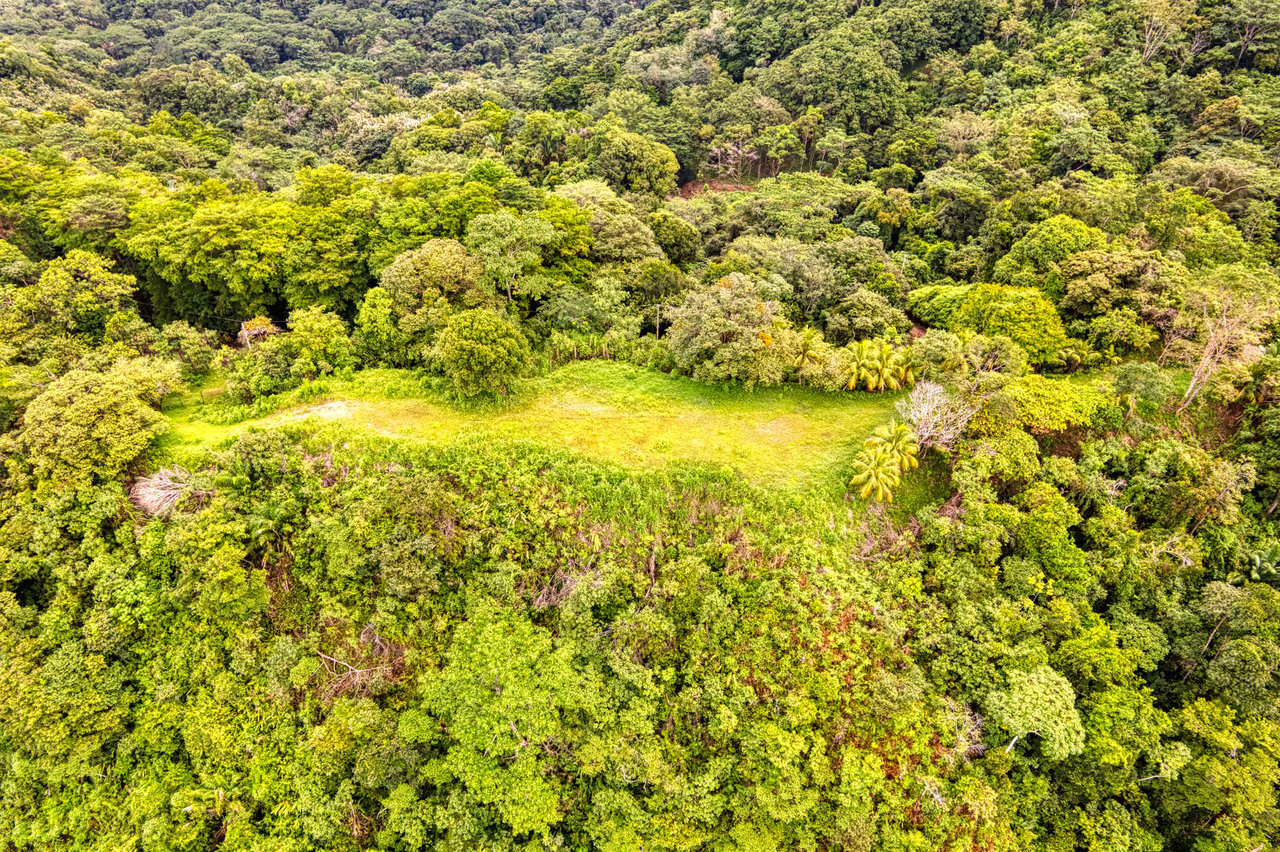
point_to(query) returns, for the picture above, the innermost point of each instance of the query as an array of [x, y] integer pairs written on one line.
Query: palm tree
[[1262, 566], [863, 366], [899, 372], [267, 530], [811, 351], [876, 472], [886, 376], [899, 440]]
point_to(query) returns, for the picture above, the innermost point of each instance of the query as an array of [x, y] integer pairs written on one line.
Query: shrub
[[89, 427], [482, 352], [1020, 313], [727, 332]]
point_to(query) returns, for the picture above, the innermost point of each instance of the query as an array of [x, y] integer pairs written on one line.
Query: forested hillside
[[931, 500]]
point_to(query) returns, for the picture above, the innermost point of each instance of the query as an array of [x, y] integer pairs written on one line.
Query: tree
[[328, 253], [482, 352], [89, 428], [937, 305], [225, 254], [1032, 261], [15, 267], [894, 367], [501, 699], [377, 337], [193, 348], [877, 472], [936, 416], [727, 331], [318, 343], [780, 144], [862, 365], [616, 233], [811, 352], [864, 314], [75, 296], [512, 248], [1226, 794], [1160, 20], [1227, 332], [679, 240], [1040, 702], [1021, 314], [1143, 386], [427, 283], [849, 79], [632, 163], [1247, 23], [900, 441]]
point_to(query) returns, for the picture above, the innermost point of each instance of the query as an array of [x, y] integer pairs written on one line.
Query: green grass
[[788, 437]]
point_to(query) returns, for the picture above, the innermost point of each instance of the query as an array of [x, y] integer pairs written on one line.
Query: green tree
[[482, 352], [512, 248], [1039, 702], [1021, 314], [318, 343], [1033, 260], [679, 240], [727, 331], [1226, 794], [428, 283], [901, 441], [88, 428], [502, 698], [76, 296], [631, 163], [377, 337]]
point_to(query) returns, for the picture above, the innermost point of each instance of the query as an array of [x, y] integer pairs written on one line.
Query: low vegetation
[[793, 438]]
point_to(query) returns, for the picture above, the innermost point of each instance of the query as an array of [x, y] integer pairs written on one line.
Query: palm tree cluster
[[891, 451], [877, 366], [1261, 566]]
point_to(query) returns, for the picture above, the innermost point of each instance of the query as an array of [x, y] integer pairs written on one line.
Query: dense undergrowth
[[763, 426], [332, 639]]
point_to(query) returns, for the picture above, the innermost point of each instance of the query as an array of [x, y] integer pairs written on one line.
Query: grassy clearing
[[788, 437]]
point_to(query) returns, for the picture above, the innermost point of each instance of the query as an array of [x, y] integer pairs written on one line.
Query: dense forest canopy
[[1038, 608]]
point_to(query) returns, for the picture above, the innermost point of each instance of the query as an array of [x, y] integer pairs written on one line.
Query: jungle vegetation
[[1003, 272]]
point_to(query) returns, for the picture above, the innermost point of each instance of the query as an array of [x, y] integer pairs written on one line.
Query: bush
[[482, 352], [89, 427], [937, 305], [727, 333]]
